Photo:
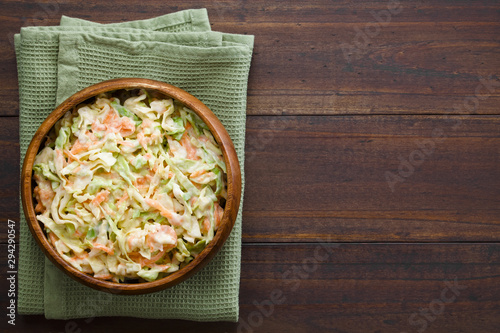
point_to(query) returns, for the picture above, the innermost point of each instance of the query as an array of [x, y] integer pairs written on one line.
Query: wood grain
[[347, 288], [9, 175], [325, 177], [427, 60]]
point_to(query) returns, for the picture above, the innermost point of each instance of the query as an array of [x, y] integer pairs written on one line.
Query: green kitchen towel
[[178, 48]]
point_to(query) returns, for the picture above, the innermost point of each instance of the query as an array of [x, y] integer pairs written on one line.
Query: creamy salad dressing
[[130, 190]]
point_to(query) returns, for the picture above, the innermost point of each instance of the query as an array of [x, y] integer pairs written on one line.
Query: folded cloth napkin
[[178, 48]]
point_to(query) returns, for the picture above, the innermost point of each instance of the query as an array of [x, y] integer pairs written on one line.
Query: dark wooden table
[[372, 163]]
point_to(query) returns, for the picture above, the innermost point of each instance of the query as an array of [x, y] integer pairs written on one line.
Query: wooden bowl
[[233, 186]]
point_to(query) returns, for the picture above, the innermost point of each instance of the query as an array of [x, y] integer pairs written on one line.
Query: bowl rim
[[233, 185]]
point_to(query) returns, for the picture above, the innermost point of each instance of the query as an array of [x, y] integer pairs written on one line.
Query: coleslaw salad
[[130, 186]]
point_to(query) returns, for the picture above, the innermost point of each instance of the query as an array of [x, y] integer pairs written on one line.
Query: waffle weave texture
[[177, 48]]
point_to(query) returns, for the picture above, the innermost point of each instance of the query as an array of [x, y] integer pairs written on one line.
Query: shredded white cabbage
[[130, 190]]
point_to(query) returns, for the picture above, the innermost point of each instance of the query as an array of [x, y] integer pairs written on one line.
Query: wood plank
[[403, 71], [9, 175], [310, 178], [259, 11], [325, 178], [427, 60], [343, 288]]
